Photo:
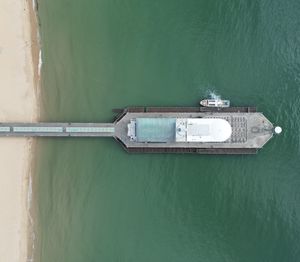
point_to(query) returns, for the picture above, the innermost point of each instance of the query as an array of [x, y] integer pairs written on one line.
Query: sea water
[[95, 202]]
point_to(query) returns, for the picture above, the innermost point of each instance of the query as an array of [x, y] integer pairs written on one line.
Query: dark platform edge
[[179, 150], [141, 109], [206, 151]]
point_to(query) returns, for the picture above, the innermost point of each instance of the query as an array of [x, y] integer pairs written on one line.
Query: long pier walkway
[[250, 130], [57, 129]]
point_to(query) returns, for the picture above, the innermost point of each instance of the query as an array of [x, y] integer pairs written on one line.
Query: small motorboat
[[215, 103]]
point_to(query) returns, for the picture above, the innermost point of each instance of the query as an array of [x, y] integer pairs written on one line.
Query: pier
[[57, 129], [249, 130]]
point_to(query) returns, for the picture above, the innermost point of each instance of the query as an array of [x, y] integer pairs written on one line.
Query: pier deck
[[57, 129], [250, 130]]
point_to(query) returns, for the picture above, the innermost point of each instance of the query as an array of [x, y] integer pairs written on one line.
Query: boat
[[215, 103]]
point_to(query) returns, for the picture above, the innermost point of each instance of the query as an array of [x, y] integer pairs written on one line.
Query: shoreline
[[19, 74], [36, 65]]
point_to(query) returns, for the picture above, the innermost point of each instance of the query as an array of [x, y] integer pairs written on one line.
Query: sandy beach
[[18, 86]]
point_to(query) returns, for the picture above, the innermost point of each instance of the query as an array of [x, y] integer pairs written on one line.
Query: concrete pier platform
[[251, 130]]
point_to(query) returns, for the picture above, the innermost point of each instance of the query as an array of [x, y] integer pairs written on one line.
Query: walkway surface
[[57, 129]]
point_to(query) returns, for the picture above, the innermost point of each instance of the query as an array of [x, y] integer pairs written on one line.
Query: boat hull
[[215, 103]]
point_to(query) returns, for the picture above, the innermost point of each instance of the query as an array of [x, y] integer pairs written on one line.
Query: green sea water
[[95, 202]]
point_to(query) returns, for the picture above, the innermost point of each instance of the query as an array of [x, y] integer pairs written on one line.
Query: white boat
[[215, 103]]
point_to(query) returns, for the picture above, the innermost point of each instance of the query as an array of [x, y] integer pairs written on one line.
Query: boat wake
[[212, 95]]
